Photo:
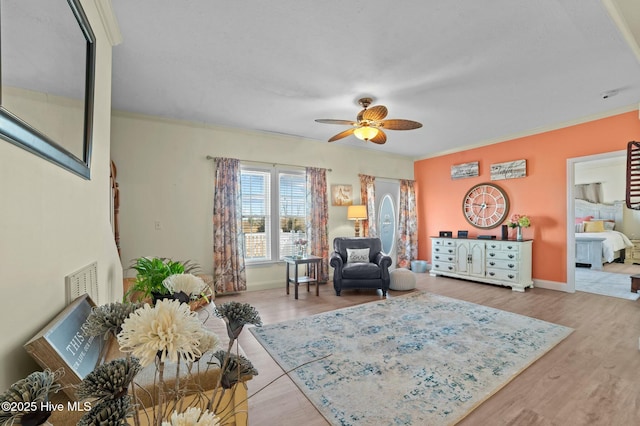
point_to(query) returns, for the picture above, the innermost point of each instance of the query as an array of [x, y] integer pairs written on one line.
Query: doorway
[[605, 161], [386, 205]]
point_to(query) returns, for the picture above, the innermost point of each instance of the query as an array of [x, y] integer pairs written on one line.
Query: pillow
[[609, 225], [583, 219], [594, 226], [358, 255], [579, 227]]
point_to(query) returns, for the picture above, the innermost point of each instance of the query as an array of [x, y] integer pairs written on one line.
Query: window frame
[[273, 234]]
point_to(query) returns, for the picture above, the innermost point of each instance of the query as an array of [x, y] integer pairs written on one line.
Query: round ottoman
[[402, 279]]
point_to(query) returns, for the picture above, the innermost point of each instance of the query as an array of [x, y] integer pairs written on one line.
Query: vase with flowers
[[519, 221], [301, 247]]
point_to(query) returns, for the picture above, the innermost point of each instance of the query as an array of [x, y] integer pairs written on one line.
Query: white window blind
[[273, 212]]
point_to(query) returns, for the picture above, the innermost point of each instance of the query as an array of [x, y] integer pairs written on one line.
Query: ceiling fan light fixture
[[365, 133]]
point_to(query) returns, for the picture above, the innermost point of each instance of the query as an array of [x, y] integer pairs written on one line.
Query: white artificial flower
[[187, 283], [192, 417], [209, 342], [168, 330]]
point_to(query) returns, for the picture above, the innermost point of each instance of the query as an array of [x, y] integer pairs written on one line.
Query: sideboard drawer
[[502, 275], [444, 266]]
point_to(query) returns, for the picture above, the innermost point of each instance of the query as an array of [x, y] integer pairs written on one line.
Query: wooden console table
[[312, 263]]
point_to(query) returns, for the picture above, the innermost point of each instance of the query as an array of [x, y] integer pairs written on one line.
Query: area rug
[[605, 283], [419, 359]]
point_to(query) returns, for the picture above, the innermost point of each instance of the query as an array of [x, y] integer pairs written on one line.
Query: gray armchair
[[362, 274]]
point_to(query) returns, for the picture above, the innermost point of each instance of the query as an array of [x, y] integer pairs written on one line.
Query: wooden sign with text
[[62, 344], [509, 170]]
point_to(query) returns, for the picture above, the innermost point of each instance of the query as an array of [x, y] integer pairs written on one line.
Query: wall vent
[[83, 281]]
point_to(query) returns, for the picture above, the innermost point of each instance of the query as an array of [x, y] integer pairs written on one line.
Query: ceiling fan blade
[[331, 121], [341, 135], [399, 124], [375, 113], [380, 138]]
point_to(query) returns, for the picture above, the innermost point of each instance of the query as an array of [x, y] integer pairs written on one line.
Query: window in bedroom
[[274, 212]]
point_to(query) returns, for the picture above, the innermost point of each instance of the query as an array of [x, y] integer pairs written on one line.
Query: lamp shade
[[356, 212], [365, 133]]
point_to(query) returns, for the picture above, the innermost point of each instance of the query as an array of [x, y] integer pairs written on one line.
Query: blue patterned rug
[[419, 359]]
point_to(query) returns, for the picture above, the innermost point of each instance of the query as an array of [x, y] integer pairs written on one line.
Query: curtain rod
[[388, 178], [209, 157]]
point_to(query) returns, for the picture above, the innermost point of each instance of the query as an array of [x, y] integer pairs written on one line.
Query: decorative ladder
[[633, 175]]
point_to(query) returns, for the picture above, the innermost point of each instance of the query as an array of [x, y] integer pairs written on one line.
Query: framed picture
[[62, 344], [341, 195]]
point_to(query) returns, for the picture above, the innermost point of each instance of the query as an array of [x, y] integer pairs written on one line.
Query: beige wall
[[53, 223], [164, 177]]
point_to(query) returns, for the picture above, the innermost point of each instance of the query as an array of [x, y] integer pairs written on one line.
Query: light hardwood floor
[[591, 378]]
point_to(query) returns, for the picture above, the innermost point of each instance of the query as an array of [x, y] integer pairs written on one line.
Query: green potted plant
[[152, 271]]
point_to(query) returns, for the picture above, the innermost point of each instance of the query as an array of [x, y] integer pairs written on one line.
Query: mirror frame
[[20, 133]]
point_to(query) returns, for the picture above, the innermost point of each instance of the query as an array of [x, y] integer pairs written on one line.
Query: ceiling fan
[[370, 123]]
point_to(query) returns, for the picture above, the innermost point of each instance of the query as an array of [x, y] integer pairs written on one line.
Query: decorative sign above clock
[[485, 206], [509, 170]]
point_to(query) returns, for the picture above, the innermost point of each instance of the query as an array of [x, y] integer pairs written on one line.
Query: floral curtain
[[407, 225], [367, 197], [229, 273], [318, 218]]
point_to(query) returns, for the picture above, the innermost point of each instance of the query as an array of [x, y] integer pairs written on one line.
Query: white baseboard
[[552, 285], [266, 285]]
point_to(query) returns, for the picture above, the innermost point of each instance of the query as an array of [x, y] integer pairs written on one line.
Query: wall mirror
[[47, 52]]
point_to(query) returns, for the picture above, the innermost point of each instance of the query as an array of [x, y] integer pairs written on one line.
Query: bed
[[608, 245]]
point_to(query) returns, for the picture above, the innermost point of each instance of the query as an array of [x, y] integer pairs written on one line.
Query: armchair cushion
[[361, 270]]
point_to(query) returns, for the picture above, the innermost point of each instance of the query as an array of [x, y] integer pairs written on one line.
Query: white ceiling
[[472, 72]]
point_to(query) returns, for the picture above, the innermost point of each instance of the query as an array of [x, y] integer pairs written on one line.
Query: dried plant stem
[[223, 368], [158, 417]]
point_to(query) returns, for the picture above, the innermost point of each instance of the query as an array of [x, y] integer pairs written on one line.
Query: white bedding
[[614, 241]]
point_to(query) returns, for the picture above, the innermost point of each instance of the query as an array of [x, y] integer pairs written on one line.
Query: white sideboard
[[501, 262]]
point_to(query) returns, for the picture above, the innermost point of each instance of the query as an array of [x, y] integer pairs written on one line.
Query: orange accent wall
[[542, 194]]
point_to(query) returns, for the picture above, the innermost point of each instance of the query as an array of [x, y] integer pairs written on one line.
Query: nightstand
[[632, 254]]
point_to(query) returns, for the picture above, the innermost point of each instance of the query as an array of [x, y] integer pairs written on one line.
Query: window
[[274, 212]]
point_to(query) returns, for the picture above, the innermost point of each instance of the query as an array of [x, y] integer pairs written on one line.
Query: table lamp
[[357, 213]]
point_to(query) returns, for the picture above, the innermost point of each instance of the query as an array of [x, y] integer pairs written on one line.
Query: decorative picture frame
[[466, 170], [341, 195]]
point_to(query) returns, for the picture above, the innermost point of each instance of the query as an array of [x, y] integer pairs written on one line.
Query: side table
[[312, 263]]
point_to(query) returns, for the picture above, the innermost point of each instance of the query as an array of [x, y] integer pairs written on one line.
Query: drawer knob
[[492, 263], [492, 273], [511, 256], [511, 265], [492, 254], [511, 276]]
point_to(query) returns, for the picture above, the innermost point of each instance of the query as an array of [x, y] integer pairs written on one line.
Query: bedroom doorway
[[598, 166]]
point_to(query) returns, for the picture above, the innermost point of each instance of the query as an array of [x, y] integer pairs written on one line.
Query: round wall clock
[[485, 206]]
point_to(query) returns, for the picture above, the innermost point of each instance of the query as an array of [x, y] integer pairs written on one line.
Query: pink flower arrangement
[[519, 220]]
